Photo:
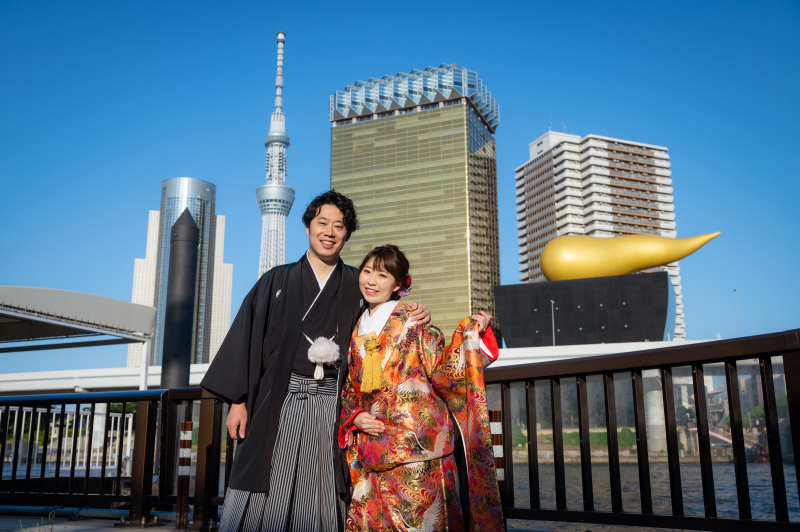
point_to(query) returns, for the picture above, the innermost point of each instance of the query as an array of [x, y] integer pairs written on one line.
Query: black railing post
[[62, 424], [558, 445], [120, 437], [704, 440], [45, 438], [791, 372], [613, 443], [641, 442], [508, 449], [533, 444], [105, 448], [585, 445], [206, 482], [4, 420], [144, 446], [73, 455], [31, 450], [737, 437], [87, 458], [170, 413], [17, 439], [672, 442], [774, 441]]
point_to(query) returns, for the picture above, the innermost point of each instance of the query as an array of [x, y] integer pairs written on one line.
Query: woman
[[401, 387]]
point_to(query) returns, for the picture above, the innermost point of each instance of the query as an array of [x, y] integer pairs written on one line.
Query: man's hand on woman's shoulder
[[420, 313]]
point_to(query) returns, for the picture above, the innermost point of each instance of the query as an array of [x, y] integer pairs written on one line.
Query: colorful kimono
[[406, 478]]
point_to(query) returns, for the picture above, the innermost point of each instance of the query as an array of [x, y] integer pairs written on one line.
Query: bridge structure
[[591, 416]]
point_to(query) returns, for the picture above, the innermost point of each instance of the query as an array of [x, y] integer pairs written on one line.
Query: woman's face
[[376, 285]]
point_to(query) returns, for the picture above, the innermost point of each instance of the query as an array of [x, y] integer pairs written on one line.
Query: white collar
[[321, 282], [378, 319]]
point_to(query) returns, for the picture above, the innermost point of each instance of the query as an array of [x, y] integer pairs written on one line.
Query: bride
[[405, 398]]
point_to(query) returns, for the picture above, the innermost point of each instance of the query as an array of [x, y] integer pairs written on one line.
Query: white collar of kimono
[[321, 282], [378, 319]]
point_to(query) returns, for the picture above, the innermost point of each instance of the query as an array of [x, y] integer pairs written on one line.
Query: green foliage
[[116, 408], [518, 439], [757, 413], [626, 439]]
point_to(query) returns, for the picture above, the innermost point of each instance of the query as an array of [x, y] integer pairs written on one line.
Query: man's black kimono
[[255, 361]]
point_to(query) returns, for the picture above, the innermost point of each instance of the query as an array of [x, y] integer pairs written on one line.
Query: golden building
[[420, 167]]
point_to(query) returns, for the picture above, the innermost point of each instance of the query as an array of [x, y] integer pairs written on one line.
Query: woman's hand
[[483, 320], [237, 421], [369, 424], [420, 313]]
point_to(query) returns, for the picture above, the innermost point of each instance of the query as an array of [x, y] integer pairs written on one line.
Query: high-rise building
[[274, 197], [416, 154], [595, 186], [214, 279]]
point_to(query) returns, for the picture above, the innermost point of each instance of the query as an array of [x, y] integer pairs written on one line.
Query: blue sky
[[102, 101]]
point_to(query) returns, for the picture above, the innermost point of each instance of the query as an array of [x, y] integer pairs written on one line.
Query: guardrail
[[684, 408], [667, 396], [68, 450]]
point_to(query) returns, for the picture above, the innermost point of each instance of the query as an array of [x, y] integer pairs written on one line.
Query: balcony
[[646, 223], [636, 177], [576, 192], [633, 184], [602, 208], [625, 147], [569, 209], [634, 167], [630, 210], [629, 157]]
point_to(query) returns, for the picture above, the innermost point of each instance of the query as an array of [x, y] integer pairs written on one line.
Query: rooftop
[[418, 87]]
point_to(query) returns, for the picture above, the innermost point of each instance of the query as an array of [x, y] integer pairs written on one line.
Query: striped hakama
[[302, 488]]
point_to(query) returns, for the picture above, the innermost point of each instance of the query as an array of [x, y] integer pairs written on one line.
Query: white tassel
[[322, 351]]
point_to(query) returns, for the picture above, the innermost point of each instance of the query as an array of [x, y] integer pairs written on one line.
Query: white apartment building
[[594, 186]]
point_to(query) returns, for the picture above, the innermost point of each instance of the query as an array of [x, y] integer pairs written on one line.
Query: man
[[288, 473]]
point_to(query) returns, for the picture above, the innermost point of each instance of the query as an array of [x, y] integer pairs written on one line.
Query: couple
[[386, 444]]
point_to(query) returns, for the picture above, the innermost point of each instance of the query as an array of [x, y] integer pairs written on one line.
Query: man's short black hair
[[340, 201]]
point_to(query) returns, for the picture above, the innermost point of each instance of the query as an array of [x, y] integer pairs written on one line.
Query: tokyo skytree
[[274, 197]]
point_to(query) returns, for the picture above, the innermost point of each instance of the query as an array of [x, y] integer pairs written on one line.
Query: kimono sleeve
[[459, 380], [430, 342], [228, 375]]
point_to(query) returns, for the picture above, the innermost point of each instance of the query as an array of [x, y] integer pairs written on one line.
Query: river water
[[759, 477]]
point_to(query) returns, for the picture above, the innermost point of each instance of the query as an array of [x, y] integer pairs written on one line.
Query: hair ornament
[[406, 289]]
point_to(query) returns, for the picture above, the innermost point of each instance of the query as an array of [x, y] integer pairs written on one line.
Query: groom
[[288, 472]]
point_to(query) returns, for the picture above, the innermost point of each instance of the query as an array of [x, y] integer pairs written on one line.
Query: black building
[[621, 308]]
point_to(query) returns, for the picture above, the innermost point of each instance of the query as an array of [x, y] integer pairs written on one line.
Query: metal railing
[[113, 450], [615, 439], [53, 455], [651, 408], [121, 426]]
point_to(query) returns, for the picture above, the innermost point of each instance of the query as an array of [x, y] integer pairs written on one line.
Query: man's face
[[327, 233]]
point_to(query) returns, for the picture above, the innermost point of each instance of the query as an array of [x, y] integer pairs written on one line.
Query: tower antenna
[[274, 197]]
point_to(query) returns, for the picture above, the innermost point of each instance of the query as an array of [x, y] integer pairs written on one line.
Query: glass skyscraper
[[151, 273], [416, 154]]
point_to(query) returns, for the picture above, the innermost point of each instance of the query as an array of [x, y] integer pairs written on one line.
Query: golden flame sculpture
[[580, 257]]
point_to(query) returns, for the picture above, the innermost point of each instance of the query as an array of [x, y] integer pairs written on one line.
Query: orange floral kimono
[[406, 478]]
